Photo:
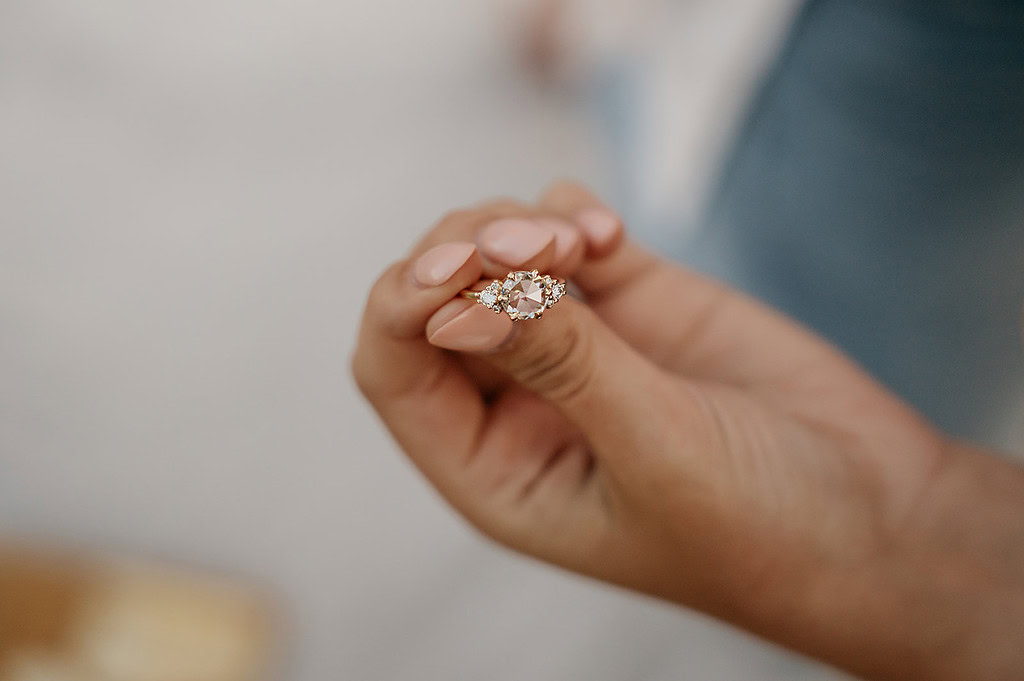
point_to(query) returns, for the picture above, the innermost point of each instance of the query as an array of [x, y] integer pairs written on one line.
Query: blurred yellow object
[[69, 619]]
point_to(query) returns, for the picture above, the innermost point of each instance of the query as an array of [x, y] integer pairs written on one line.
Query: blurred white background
[[194, 198]]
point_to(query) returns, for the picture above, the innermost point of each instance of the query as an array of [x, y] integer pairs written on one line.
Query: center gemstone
[[526, 297]]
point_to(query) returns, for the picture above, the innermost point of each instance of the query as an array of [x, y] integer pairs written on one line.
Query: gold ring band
[[521, 294]]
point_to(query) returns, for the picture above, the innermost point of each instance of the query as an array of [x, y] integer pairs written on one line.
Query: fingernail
[[567, 237], [513, 241], [600, 224], [437, 265], [476, 329]]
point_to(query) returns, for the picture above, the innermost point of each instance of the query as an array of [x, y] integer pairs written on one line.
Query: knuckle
[[561, 184], [457, 224], [563, 188], [498, 525], [381, 302], [457, 216], [363, 377], [503, 206], [378, 292]]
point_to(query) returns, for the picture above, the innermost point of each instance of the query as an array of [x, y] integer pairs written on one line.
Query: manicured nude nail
[[567, 237], [476, 329], [600, 224], [437, 265], [513, 241]]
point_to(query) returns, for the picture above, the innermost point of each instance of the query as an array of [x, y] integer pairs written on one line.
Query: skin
[[674, 437]]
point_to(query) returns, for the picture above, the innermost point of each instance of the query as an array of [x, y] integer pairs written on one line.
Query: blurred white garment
[[688, 68]]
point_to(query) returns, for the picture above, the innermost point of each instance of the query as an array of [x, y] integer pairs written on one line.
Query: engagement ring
[[521, 295]]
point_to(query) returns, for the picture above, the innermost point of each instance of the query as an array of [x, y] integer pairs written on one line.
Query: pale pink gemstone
[[526, 297]]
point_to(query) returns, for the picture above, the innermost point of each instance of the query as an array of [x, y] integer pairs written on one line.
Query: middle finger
[[512, 235]]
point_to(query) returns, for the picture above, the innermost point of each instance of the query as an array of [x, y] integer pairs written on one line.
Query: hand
[[675, 437]]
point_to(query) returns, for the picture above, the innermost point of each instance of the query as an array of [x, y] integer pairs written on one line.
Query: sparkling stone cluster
[[522, 295]]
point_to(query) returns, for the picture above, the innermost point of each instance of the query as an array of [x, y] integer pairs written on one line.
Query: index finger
[[427, 402]]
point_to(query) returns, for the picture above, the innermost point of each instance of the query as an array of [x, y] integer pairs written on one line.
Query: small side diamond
[[556, 292], [489, 297]]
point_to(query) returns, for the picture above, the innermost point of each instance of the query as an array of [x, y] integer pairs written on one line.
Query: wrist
[[969, 554], [942, 597]]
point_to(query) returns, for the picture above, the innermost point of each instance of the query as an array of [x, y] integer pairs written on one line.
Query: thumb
[[618, 398]]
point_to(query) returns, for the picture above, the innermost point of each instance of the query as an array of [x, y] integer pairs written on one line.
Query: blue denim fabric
[[876, 193]]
